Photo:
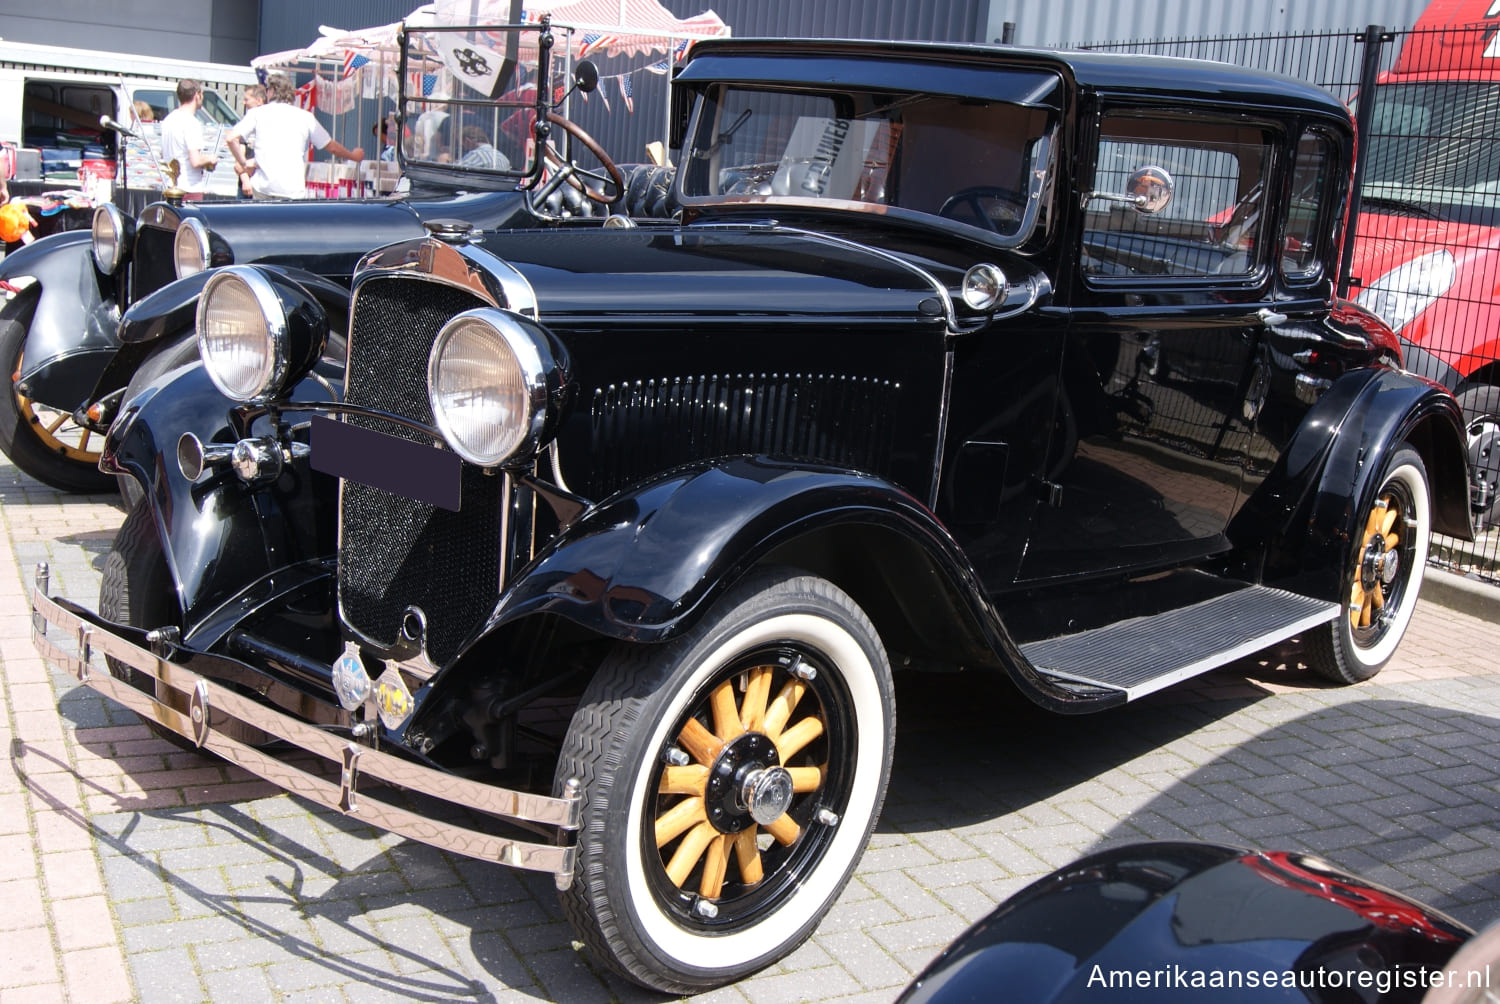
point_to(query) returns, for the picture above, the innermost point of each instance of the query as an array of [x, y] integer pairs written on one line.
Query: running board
[[1145, 654]]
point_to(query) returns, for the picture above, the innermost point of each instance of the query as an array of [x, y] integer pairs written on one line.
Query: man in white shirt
[[182, 139], [281, 133]]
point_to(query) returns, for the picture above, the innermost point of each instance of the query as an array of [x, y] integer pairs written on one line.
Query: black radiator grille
[[394, 552], [152, 263], [651, 425]]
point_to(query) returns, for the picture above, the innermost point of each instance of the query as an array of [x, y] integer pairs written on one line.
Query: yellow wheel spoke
[[689, 780], [689, 851], [757, 692], [790, 742], [701, 743], [805, 779], [747, 856], [83, 442], [714, 867], [1356, 603], [726, 715], [785, 830], [781, 709], [1377, 597], [678, 820], [57, 424], [1376, 514], [1389, 523]]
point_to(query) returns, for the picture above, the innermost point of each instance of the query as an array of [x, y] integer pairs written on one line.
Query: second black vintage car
[[1025, 362]]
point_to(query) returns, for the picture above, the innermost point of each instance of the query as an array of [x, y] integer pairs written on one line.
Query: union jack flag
[[352, 63]]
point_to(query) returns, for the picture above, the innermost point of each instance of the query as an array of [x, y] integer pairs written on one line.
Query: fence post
[[1374, 38]]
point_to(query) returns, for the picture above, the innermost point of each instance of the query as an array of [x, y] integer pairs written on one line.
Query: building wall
[[1050, 23], [216, 31]]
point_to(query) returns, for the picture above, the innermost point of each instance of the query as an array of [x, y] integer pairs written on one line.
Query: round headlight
[[487, 382], [109, 238], [242, 334], [984, 286], [190, 248]]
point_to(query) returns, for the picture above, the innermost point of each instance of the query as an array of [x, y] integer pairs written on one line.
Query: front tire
[[1383, 576], [731, 779], [1481, 407]]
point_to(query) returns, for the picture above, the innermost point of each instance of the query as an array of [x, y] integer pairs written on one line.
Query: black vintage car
[[1185, 921], [1025, 362], [97, 309]]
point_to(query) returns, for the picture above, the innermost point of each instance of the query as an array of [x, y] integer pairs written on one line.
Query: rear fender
[[1310, 506], [218, 535], [644, 565], [72, 328]]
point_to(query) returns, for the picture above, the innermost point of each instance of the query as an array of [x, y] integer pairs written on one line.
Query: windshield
[[468, 97], [1432, 146], [977, 163]]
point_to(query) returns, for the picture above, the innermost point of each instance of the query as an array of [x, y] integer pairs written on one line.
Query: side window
[[1213, 223], [1316, 159]]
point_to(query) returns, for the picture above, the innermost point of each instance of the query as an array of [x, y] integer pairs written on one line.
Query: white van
[[52, 98]]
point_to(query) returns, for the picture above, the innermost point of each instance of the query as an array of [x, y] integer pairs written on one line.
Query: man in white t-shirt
[[182, 139], [281, 133]]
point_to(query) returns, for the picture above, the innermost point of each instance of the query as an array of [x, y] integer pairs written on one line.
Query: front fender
[[645, 564], [1308, 507], [218, 535], [72, 327]]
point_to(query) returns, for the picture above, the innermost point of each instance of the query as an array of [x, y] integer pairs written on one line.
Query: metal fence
[[1425, 220]]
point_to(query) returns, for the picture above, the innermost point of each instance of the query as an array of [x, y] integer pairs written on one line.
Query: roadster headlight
[[258, 332], [1408, 289], [110, 237], [488, 379], [190, 248]]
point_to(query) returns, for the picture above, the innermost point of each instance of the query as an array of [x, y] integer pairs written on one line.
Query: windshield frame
[[1038, 170]]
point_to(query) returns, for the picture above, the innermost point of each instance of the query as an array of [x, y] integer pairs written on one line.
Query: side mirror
[[586, 76]]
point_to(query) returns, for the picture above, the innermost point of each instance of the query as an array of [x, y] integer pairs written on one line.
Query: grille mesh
[[651, 425], [395, 552]]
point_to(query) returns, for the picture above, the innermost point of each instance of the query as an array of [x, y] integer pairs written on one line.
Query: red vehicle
[[1427, 244]]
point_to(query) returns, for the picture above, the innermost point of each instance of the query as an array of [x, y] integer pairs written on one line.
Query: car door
[[1162, 374]]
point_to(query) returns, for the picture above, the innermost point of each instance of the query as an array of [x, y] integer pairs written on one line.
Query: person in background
[[144, 112], [182, 140], [255, 96], [281, 133], [480, 152]]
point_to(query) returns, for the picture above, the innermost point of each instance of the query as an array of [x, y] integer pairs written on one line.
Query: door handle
[[1270, 318]]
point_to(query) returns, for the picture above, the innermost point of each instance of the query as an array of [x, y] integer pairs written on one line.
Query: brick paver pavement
[[132, 871]]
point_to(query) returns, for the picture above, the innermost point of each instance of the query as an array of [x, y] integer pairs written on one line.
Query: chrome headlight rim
[[202, 254], [108, 260], [535, 369], [272, 373]]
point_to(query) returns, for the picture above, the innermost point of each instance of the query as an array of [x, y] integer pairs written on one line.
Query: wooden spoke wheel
[[1384, 575], [731, 779]]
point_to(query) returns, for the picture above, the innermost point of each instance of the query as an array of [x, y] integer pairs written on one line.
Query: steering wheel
[[985, 205], [609, 178]]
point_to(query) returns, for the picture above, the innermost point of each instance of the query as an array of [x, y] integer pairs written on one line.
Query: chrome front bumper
[[211, 707]]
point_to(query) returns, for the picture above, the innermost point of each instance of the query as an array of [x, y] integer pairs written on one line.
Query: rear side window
[[1213, 223], [1311, 174]]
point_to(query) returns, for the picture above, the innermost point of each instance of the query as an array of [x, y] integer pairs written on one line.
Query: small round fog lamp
[[984, 286]]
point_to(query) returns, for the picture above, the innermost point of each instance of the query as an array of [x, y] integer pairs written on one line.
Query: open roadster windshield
[[979, 163], [469, 96]]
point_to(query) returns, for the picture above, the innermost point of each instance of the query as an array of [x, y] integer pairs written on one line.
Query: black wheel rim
[[682, 878]]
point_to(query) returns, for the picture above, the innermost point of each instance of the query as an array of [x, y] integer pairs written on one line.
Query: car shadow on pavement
[[1399, 792]]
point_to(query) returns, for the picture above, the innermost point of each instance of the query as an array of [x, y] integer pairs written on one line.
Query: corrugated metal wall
[[1050, 23]]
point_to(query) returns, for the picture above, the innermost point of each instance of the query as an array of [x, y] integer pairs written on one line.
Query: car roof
[[1168, 78]]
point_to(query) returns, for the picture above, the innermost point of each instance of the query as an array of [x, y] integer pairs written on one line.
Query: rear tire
[[1382, 578], [728, 791]]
